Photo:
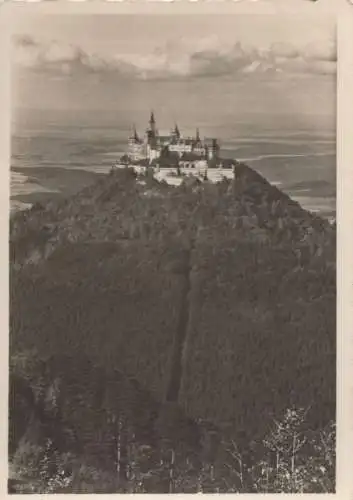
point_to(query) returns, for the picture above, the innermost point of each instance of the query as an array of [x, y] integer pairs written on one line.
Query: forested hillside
[[214, 303]]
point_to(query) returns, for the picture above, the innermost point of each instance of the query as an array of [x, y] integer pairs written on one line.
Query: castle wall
[[199, 150], [170, 176], [137, 153], [201, 167], [152, 154], [180, 148], [217, 174]]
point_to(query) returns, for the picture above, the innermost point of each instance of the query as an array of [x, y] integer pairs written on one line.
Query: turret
[[134, 138], [175, 132], [134, 135], [213, 149], [135, 145]]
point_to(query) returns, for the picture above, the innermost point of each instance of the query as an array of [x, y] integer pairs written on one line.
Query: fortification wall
[[169, 174]]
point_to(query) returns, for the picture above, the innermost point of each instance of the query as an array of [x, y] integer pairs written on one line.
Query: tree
[[296, 459]]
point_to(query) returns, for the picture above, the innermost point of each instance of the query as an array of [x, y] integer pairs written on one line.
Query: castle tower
[[215, 147], [213, 150], [135, 134], [197, 135], [135, 145], [151, 141], [152, 123], [134, 138], [176, 131]]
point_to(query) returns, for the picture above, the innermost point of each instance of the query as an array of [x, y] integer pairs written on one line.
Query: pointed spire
[[197, 135], [176, 131], [152, 122], [135, 135]]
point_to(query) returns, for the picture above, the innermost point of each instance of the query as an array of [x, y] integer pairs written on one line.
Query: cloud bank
[[186, 58]]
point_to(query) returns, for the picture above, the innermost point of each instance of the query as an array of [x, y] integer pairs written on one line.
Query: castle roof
[[187, 142], [135, 140], [211, 142], [164, 138], [134, 136], [190, 157]]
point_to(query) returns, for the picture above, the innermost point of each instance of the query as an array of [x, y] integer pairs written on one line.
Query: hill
[[218, 299]]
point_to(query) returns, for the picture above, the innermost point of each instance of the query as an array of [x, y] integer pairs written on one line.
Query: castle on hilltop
[[154, 147], [172, 157]]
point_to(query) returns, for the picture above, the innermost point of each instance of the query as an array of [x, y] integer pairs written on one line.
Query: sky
[[79, 61]]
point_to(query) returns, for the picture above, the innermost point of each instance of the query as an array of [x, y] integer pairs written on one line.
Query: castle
[[172, 157], [172, 148]]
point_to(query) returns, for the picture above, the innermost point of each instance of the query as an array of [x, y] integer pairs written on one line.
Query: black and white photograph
[[172, 256]]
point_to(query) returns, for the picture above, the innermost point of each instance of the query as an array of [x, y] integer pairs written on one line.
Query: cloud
[[57, 59], [24, 41], [201, 58]]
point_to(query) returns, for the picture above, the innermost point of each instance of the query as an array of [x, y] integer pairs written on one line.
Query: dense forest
[[172, 339]]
